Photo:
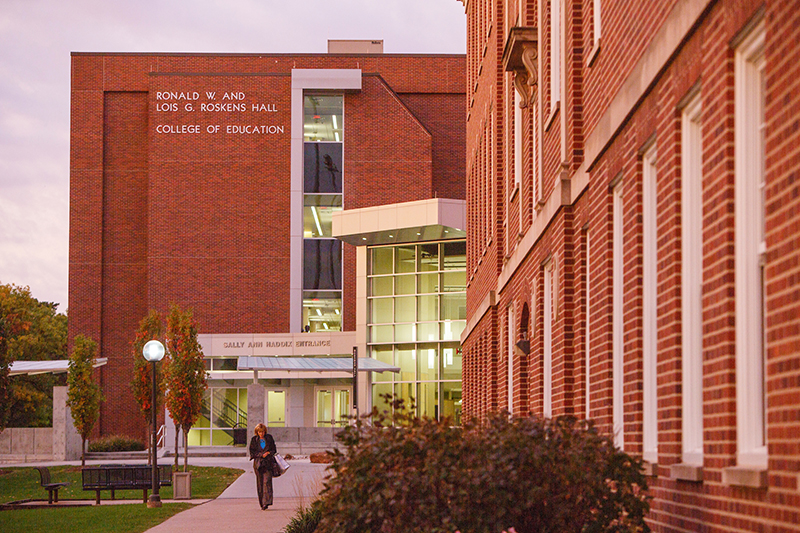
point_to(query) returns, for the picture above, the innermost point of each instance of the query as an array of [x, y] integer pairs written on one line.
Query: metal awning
[[314, 364], [58, 366]]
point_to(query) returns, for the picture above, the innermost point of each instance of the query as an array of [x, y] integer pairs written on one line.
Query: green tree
[[185, 374], [151, 327], [83, 394], [13, 322]]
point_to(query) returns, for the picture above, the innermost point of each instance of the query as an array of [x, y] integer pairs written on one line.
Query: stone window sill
[[649, 469], [686, 472], [741, 476]]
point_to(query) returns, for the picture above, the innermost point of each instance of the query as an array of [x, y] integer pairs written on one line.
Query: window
[[510, 331], [322, 196], [692, 282], [750, 249], [649, 308], [555, 53], [518, 143], [587, 328], [596, 24], [548, 311], [617, 316]]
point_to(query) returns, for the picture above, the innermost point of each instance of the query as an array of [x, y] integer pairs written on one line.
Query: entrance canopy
[[58, 366], [314, 364]]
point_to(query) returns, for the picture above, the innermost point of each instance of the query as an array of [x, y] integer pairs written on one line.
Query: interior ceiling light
[[319, 313]]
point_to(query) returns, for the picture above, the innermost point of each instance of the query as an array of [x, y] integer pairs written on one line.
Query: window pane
[[318, 212], [404, 284], [322, 267], [404, 333], [381, 310], [451, 361], [379, 393], [408, 393], [406, 359], [428, 257], [381, 334], [322, 118], [382, 260], [427, 307], [428, 283], [455, 255], [322, 310], [384, 354], [451, 329], [381, 286], [404, 259], [428, 400], [428, 331], [427, 362], [454, 281], [451, 402], [404, 309], [322, 168], [454, 306]]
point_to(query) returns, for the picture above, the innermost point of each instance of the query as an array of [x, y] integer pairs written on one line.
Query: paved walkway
[[237, 508]]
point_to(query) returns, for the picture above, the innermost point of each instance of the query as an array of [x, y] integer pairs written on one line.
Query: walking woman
[[262, 452]]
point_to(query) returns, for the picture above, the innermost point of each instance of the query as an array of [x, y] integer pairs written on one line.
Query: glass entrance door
[[276, 408], [333, 406]]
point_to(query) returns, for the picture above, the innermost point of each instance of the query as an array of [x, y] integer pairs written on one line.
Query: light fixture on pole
[[153, 352]]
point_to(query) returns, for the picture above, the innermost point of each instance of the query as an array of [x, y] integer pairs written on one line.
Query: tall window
[[555, 52], [692, 283], [417, 310], [322, 196], [596, 23], [617, 317], [750, 249], [549, 274], [510, 329], [649, 308], [587, 322]]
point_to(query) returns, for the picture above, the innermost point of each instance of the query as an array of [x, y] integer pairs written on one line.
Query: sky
[[37, 36]]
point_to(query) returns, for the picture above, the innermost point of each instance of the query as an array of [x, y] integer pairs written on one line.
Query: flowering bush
[[404, 474]]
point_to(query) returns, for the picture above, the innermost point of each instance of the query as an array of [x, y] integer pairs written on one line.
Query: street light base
[[154, 501]]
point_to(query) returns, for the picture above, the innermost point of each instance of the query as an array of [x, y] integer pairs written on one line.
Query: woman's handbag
[[281, 465]]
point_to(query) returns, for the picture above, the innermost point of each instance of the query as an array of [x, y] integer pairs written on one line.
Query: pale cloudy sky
[[37, 36]]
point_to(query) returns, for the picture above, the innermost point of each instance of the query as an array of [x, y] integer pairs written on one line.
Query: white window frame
[[587, 330], [510, 328], [750, 249], [596, 22], [555, 53], [548, 310], [617, 318], [649, 307], [518, 143], [692, 283]]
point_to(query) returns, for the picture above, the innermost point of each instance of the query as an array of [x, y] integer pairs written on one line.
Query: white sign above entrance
[[261, 345]]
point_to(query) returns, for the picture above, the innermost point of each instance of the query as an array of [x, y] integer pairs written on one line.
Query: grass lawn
[[23, 483], [123, 518]]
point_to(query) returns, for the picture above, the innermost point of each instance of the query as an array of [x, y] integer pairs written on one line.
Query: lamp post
[[153, 351]]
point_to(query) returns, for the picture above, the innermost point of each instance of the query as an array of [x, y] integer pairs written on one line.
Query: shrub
[[305, 521], [116, 443], [530, 474]]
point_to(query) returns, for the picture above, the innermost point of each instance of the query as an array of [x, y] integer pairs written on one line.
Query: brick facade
[[200, 217], [623, 93]]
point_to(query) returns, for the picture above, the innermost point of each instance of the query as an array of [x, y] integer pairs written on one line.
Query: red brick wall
[[705, 60], [200, 218]]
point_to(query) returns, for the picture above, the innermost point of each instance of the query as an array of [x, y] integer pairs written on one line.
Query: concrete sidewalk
[[237, 508]]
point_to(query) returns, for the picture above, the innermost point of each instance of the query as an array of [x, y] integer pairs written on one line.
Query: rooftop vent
[[345, 46]]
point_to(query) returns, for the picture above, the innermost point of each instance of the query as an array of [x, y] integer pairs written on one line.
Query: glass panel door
[[276, 406], [333, 406]]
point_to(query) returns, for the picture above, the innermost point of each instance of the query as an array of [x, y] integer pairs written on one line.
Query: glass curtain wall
[[322, 196], [417, 311], [223, 409]]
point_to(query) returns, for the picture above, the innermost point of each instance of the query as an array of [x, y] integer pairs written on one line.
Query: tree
[[151, 327], [83, 394], [14, 321], [185, 374]]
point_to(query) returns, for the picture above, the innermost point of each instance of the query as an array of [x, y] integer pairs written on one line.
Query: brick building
[[633, 240], [212, 181]]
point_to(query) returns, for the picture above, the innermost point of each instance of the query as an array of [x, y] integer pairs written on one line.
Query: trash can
[[239, 436]]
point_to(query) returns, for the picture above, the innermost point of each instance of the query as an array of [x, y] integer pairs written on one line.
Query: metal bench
[[123, 477], [48, 485]]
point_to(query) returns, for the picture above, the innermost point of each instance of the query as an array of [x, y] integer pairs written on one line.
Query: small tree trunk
[[83, 451], [177, 431], [186, 449]]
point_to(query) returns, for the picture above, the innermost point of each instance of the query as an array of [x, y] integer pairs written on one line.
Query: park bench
[[48, 485], [123, 477]]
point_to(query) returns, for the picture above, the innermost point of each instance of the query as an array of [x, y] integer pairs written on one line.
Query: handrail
[[221, 413], [161, 435]]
